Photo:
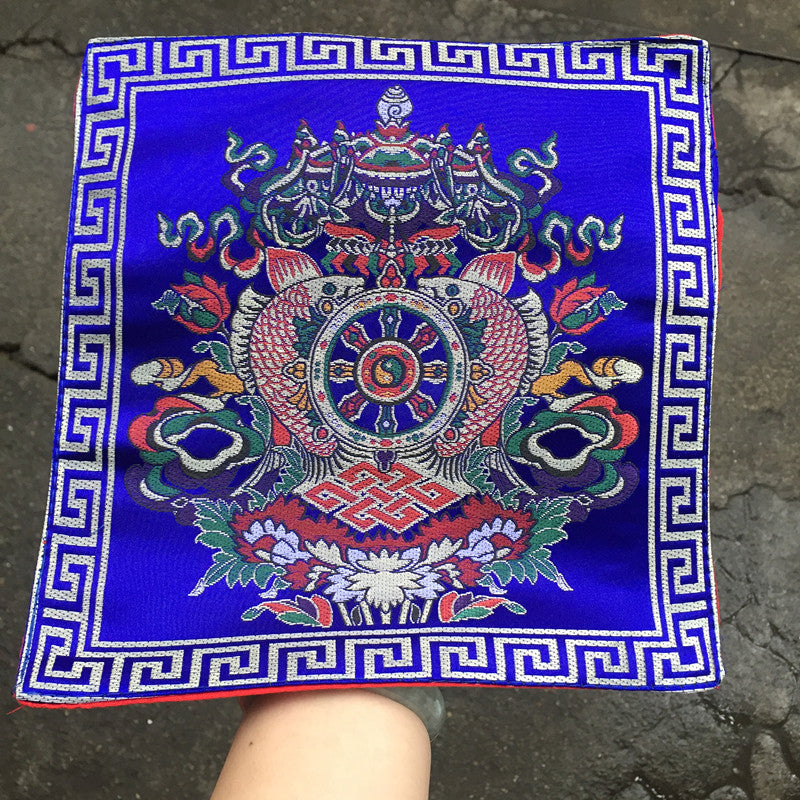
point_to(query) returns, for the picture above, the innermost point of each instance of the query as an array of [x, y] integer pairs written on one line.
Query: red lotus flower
[[203, 305], [249, 551], [510, 549], [470, 570], [292, 515], [297, 574], [575, 308]]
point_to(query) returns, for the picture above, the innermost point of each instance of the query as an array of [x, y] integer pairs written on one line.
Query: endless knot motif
[[363, 496]]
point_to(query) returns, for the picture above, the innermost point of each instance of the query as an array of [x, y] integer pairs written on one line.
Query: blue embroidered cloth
[[383, 362]]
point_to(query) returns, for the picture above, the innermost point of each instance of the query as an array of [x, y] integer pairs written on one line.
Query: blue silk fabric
[[383, 362]]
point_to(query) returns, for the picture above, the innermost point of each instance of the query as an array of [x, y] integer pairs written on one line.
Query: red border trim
[[261, 690]]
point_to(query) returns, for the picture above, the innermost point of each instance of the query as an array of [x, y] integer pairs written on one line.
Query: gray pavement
[[739, 741]]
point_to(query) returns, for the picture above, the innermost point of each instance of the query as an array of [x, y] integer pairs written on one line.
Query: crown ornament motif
[[392, 195]]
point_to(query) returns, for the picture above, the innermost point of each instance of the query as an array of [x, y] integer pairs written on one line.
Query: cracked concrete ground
[[739, 741]]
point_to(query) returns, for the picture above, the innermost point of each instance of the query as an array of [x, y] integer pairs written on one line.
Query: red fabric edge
[[264, 690], [720, 227], [234, 693], [720, 221]]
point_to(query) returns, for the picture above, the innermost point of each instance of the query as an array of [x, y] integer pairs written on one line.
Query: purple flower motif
[[285, 550], [479, 545]]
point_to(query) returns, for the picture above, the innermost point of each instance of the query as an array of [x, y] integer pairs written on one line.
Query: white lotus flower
[[383, 579]]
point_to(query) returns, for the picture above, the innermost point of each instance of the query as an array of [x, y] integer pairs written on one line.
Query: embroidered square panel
[[383, 362]]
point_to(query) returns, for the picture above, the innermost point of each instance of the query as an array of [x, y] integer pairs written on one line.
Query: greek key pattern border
[[59, 662]]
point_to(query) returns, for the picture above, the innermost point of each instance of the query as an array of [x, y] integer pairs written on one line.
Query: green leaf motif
[[546, 536], [541, 558], [219, 351], [471, 612], [252, 613], [557, 354], [168, 302], [610, 302], [216, 539], [514, 608], [509, 498], [263, 573], [233, 573], [262, 419], [531, 573], [593, 312], [205, 319], [517, 569], [510, 422], [209, 519], [259, 500], [551, 517], [216, 572], [247, 573], [298, 618], [292, 472], [551, 509], [573, 321], [476, 472], [588, 280], [501, 569]]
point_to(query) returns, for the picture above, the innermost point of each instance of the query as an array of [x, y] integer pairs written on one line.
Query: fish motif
[[505, 345], [271, 339]]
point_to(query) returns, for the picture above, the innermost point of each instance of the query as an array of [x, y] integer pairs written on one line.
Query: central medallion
[[388, 369], [388, 372]]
